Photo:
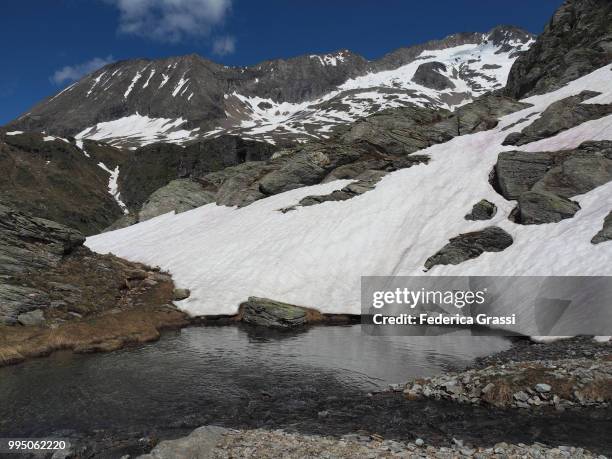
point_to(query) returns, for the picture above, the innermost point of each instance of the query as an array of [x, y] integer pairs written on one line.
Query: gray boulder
[[579, 171], [470, 245], [178, 196], [199, 444], [537, 207], [180, 294], [560, 116], [482, 210], [606, 232], [35, 317], [274, 314], [17, 300], [517, 171]]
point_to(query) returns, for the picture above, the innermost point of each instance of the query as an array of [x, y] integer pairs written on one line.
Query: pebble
[[542, 388]]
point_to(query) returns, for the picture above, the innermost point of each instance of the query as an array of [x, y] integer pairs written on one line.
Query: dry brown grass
[[599, 389], [106, 332]]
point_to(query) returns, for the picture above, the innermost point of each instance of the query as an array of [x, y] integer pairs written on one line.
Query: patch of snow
[[329, 59], [131, 86], [138, 129], [165, 79], [113, 187], [50, 138], [14, 133], [149, 79], [179, 85], [95, 83]]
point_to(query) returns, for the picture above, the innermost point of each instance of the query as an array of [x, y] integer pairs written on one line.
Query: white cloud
[[224, 45], [75, 72], [170, 20]]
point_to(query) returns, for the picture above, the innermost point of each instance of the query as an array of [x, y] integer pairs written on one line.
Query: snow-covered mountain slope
[[443, 78], [315, 256], [137, 102]]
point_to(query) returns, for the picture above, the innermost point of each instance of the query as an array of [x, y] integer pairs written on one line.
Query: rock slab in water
[[274, 314], [200, 444], [470, 245]]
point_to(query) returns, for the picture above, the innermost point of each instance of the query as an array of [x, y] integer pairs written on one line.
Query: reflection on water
[[213, 372]]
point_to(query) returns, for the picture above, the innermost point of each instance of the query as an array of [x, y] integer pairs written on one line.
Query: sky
[[47, 44]]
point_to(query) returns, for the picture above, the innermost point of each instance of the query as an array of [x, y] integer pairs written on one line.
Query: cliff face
[[577, 40]]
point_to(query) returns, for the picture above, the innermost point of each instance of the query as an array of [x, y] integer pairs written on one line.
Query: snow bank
[[315, 256], [138, 128]]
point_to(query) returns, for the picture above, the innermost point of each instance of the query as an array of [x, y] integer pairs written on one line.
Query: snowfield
[[138, 130], [315, 256]]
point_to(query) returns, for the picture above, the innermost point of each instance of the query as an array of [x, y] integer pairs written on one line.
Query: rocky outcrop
[[606, 232], [52, 178], [543, 183], [46, 275], [470, 245], [409, 129], [177, 196], [429, 75], [273, 314], [28, 243], [537, 207], [482, 210], [576, 41], [382, 142], [560, 116], [365, 182], [152, 167]]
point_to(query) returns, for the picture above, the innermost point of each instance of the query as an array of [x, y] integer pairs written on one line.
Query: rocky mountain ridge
[[135, 102]]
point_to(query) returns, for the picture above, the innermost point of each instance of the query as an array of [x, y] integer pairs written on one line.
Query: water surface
[[224, 375]]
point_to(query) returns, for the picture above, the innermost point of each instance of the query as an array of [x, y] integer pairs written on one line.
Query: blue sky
[[48, 43]]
